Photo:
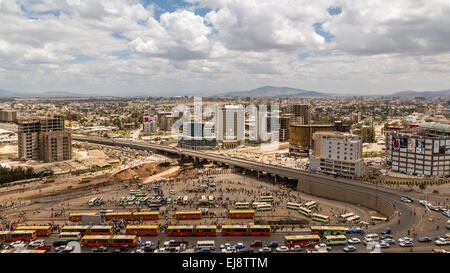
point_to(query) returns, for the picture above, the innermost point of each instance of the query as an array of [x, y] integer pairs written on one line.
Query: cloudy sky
[[175, 47]]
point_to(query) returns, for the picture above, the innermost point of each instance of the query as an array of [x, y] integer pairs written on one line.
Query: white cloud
[[115, 45]]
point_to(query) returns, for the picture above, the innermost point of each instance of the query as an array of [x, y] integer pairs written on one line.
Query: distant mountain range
[[274, 91], [265, 91], [49, 94], [426, 94]]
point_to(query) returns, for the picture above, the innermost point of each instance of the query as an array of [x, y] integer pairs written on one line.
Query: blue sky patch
[[318, 29], [334, 10]]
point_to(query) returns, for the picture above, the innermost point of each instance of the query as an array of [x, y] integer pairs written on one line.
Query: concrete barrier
[[347, 196]]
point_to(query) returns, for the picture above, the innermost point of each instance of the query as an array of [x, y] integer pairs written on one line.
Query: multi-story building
[[150, 124], [8, 115], [285, 121], [197, 136], [44, 138], [300, 136], [337, 153], [301, 113], [230, 124], [423, 151]]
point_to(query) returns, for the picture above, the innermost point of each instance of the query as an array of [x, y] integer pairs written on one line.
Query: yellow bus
[[42, 231], [118, 215], [304, 211], [142, 230], [146, 215], [84, 180], [311, 205], [83, 230], [120, 240], [343, 217], [22, 235], [260, 230], [96, 240], [188, 215], [327, 230], [206, 230], [332, 240], [234, 230], [180, 231], [375, 219], [77, 217], [101, 230], [320, 218], [48, 180], [354, 219], [70, 236], [241, 214], [266, 198], [302, 240]]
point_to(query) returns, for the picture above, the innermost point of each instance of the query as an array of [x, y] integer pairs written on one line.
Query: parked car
[[423, 202], [386, 231], [295, 248], [124, 248], [240, 245], [406, 244], [18, 244], [246, 250], [273, 244], [68, 249], [446, 213], [390, 241], [256, 243], [349, 248], [442, 242], [282, 249], [405, 239], [386, 236], [383, 244], [264, 250], [37, 243], [354, 241], [43, 247], [357, 230], [203, 250], [424, 239], [57, 243], [59, 248]]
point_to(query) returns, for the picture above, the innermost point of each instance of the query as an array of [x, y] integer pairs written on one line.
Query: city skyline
[[198, 47]]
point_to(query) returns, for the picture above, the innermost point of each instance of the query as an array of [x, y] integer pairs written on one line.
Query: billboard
[[436, 147], [420, 146], [411, 145], [442, 147]]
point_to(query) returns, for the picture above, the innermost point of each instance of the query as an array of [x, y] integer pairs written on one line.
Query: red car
[[256, 243], [43, 247]]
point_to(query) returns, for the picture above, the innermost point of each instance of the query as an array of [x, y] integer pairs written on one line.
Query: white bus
[[343, 217], [264, 207], [375, 219], [320, 218], [293, 206], [304, 211], [206, 244], [256, 204], [241, 205], [373, 237], [354, 219], [311, 205]]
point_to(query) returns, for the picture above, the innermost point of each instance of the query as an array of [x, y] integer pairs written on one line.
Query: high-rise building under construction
[[44, 138]]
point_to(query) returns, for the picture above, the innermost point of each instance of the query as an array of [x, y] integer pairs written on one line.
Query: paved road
[[390, 195]]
